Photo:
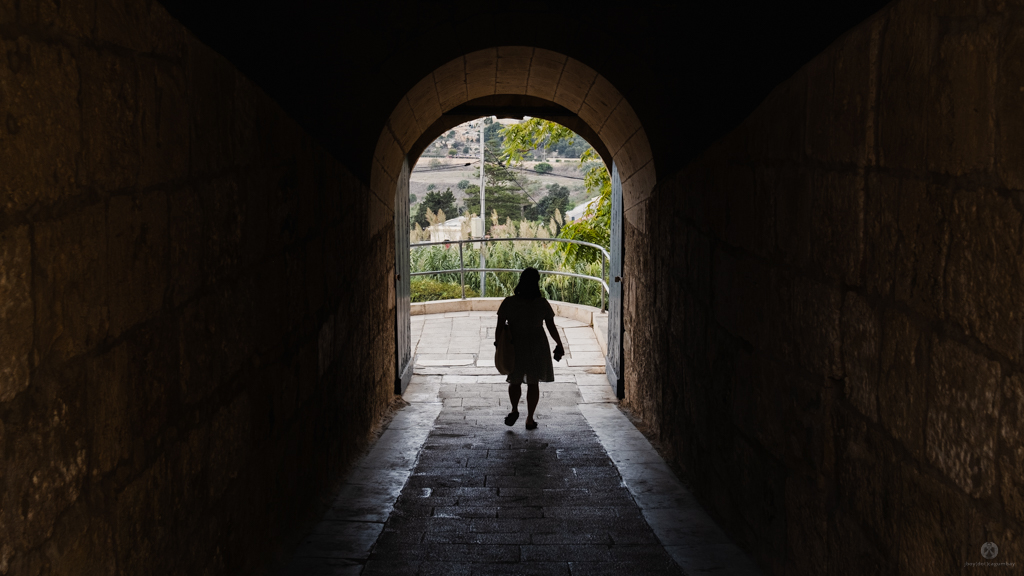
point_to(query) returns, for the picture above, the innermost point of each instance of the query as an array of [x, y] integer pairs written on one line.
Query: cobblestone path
[[448, 489], [485, 498]]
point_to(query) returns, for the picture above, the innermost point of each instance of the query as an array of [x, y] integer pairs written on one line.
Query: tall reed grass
[[514, 255]]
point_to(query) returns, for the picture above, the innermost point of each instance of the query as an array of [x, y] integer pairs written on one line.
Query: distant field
[[564, 174]]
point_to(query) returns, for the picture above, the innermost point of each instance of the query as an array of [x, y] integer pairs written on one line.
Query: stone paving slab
[[689, 534], [444, 362], [448, 489], [489, 499], [341, 542]]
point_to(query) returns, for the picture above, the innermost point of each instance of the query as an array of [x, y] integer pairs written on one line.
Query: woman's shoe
[[531, 425], [511, 418]]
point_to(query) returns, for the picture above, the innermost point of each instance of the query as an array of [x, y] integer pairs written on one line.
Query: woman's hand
[[559, 352]]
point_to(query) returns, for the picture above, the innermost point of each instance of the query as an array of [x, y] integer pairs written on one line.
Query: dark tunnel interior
[[822, 262]]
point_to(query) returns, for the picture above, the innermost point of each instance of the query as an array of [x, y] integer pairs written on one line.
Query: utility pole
[[483, 223]]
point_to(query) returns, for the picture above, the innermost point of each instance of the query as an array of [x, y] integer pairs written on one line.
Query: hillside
[[437, 168]]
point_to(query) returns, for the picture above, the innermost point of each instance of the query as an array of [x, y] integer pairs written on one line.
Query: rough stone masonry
[[832, 347], [173, 252], [823, 312]]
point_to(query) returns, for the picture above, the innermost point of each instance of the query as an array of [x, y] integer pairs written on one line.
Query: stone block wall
[[824, 313], [194, 337]]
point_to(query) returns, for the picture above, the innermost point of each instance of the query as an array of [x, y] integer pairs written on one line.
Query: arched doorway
[[548, 85]]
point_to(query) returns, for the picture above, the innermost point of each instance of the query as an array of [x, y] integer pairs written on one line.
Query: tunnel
[[822, 263]]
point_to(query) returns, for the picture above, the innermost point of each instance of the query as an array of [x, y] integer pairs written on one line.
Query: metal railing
[[605, 261]]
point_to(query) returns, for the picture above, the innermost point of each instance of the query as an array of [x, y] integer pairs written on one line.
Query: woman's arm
[[499, 328], [559, 351]]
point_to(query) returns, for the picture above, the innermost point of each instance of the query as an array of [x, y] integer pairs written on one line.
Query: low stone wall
[[831, 344], [589, 315], [184, 367]]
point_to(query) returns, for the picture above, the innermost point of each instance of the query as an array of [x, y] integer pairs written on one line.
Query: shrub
[[427, 289], [514, 255], [543, 167]]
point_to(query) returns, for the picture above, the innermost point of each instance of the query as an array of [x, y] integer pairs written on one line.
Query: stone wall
[[193, 341], [825, 311]]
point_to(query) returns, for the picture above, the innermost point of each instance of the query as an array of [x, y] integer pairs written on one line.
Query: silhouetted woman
[[526, 314]]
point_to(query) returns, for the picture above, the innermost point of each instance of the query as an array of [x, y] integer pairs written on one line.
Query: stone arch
[[519, 70]]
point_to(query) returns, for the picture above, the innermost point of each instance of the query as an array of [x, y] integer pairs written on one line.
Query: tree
[[435, 201], [543, 167], [502, 194], [412, 198], [493, 137], [595, 225], [465, 150], [462, 185], [557, 199]]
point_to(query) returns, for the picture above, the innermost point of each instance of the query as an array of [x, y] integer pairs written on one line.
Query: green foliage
[[431, 187], [556, 199], [463, 184], [493, 136], [513, 255], [502, 194], [595, 225], [465, 150], [435, 201], [425, 289], [430, 258], [571, 149], [453, 152], [518, 139], [412, 198], [543, 167]]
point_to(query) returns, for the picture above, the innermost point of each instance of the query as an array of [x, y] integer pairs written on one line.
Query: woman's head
[[529, 284]]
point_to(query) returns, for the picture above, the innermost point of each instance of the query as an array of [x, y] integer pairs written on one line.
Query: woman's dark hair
[[529, 284]]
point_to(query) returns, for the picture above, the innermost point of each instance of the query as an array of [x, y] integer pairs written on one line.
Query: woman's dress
[[526, 318]]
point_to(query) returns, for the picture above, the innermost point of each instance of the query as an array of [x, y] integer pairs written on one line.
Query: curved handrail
[[462, 269], [584, 276], [472, 240]]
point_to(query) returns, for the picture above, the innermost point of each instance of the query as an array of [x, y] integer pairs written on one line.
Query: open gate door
[[613, 363], [403, 329]]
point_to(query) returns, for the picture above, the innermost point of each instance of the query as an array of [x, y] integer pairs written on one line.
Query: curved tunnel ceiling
[[509, 106], [515, 80], [691, 71]]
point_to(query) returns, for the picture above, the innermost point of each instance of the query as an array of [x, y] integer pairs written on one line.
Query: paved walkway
[[467, 339], [449, 489]]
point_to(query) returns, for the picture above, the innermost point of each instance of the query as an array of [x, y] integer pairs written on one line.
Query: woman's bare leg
[[515, 391], [532, 396]]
